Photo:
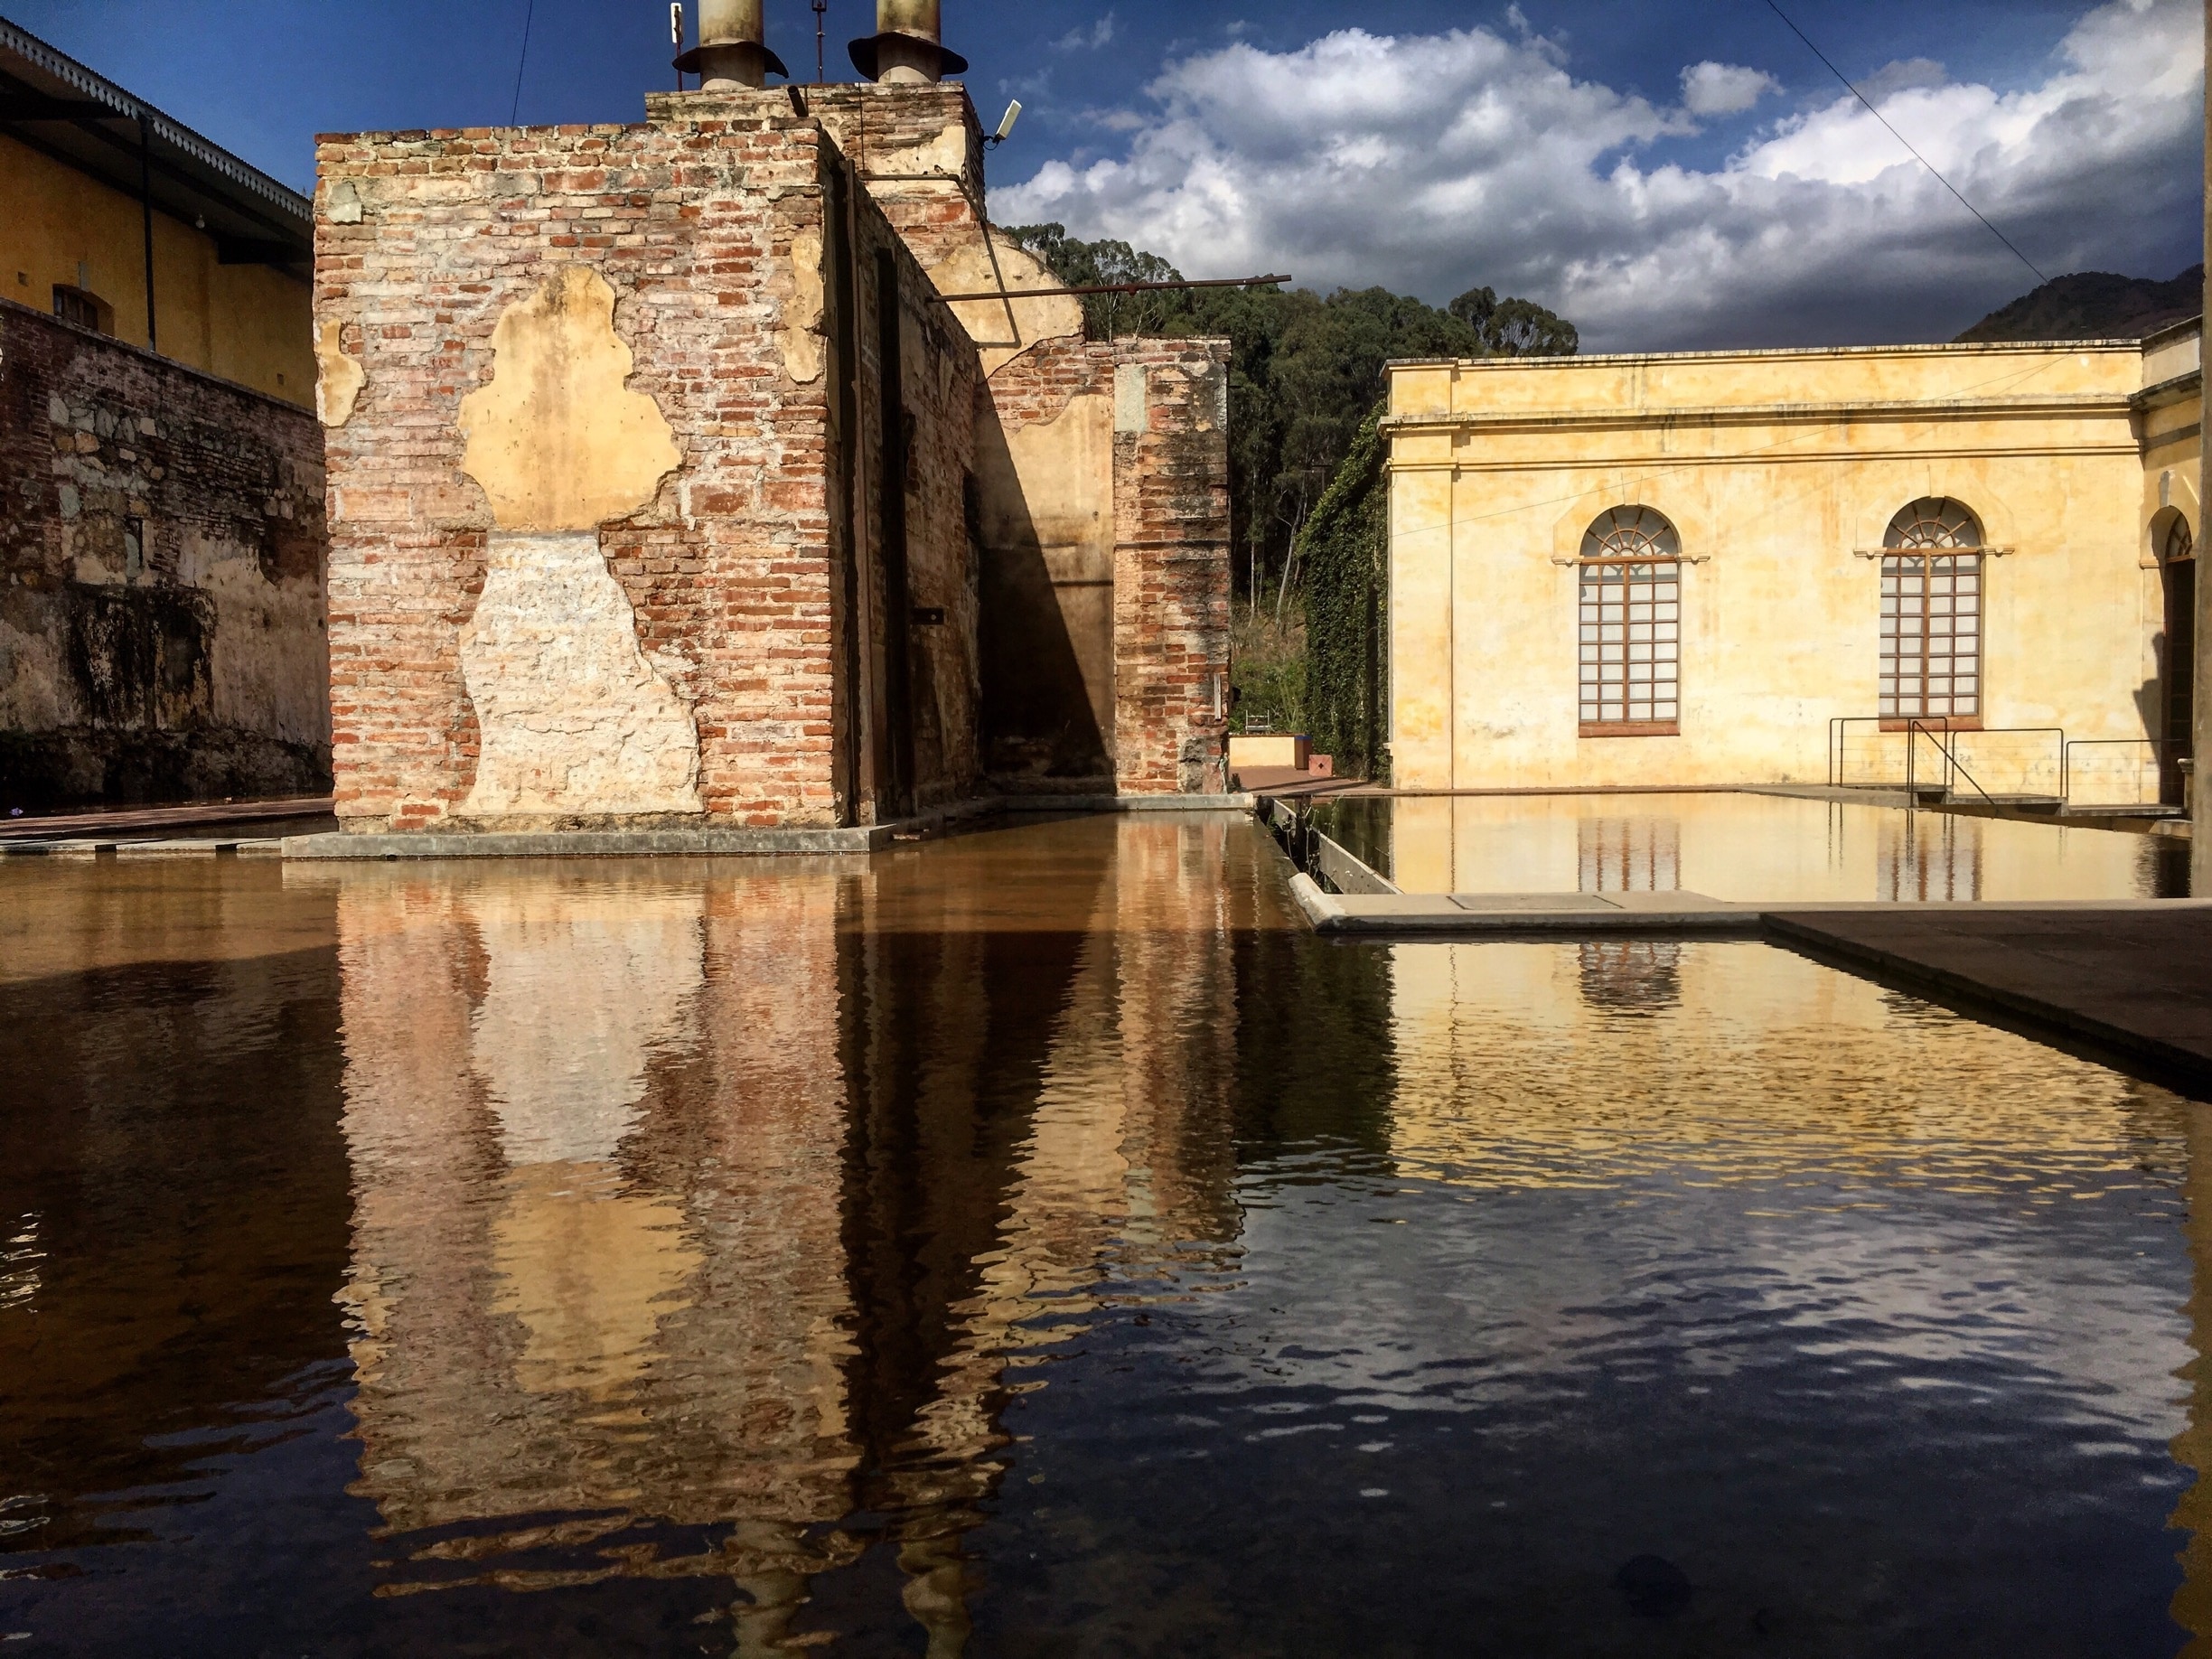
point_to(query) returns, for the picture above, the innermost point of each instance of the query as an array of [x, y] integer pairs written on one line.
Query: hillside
[[2094, 306]]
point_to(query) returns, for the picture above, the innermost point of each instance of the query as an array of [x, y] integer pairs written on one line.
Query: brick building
[[669, 488]]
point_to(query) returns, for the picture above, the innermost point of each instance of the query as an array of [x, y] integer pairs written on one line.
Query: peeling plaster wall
[[746, 570], [1046, 463], [1104, 468], [808, 582], [161, 550]]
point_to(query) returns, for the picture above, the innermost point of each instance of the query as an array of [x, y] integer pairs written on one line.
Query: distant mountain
[[2094, 306]]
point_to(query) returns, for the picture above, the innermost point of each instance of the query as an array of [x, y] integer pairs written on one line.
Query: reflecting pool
[[1746, 848], [1038, 1243]]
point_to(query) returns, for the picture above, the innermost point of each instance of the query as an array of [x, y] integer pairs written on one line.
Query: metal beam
[[31, 107], [145, 207], [245, 251], [1115, 287]]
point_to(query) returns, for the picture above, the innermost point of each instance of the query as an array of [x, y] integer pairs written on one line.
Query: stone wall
[[744, 620], [161, 552]]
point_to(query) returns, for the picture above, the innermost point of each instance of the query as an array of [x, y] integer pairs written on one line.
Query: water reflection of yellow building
[[1752, 848], [1497, 1044], [725, 1195]]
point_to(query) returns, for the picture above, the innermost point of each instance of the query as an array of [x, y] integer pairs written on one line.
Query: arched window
[[2181, 546], [1931, 616], [1631, 625]]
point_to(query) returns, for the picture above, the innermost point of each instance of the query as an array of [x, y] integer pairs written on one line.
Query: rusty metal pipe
[[908, 45], [733, 50]]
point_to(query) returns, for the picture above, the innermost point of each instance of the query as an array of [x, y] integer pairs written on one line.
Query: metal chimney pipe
[[733, 51], [907, 47]]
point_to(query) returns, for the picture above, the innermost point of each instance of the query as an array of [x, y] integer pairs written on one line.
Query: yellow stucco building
[[100, 192], [1708, 568]]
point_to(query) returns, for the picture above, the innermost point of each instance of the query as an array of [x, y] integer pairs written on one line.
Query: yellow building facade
[[1766, 566], [230, 249]]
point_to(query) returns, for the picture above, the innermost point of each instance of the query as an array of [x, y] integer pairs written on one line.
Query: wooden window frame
[[82, 308], [1590, 637], [1891, 697]]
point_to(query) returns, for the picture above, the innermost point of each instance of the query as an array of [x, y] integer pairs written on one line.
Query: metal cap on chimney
[[733, 50], [907, 45]]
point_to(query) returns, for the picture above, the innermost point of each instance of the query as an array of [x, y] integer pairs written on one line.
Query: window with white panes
[[1630, 625], [1931, 616]]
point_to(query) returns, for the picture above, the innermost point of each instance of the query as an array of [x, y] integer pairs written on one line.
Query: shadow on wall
[[139, 664], [1046, 637]]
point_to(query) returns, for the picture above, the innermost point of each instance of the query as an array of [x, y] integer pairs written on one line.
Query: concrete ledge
[[1125, 803], [1492, 914], [95, 847], [1324, 910], [1346, 873], [590, 844], [105, 826], [731, 842]]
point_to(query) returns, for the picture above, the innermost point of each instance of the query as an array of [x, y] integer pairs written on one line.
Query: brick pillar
[[1171, 566]]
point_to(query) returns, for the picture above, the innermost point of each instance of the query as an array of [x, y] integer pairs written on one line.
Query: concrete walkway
[[129, 820]]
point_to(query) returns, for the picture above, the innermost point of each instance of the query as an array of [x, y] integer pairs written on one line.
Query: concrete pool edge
[[734, 842]]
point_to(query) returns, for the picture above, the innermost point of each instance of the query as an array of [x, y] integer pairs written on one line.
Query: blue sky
[[1573, 150]]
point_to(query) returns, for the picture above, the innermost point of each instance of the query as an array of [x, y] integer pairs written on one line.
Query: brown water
[[1037, 1244]]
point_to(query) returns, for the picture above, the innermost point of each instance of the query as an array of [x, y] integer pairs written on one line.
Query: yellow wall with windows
[[1781, 472], [249, 324]]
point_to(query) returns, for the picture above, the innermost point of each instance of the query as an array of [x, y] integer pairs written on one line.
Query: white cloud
[[1433, 164], [1100, 33], [1711, 89]]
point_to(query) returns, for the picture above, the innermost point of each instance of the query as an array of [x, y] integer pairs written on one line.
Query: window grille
[[75, 305], [1931, 616], [2181, 546], [1630, 642]]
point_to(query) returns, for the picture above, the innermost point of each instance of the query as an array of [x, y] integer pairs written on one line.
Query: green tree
[[1342, 549]]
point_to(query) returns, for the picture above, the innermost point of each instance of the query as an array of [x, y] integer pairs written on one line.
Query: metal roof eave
[[192, 174]]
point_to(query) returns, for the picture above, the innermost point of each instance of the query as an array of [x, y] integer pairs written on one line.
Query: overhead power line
[[516, 113], [1907, 143]]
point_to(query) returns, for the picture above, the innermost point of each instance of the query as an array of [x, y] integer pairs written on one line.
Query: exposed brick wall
[[762, 575], [898, 136], [734, 570], [161, 550], [1038, 385], [1171, 565]]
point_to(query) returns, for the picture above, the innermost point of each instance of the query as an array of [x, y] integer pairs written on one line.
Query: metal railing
[[1838, 753], [1948, 741], [1898, 761], [1953, 768], [2165, 754]]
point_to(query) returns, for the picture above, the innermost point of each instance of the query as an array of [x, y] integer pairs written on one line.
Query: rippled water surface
[[1037, 1244]]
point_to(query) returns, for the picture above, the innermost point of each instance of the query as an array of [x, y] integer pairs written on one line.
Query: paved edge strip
[[727, 843], [1324, 910]]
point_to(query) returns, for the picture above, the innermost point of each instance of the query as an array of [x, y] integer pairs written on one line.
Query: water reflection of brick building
[[701, 1198]]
